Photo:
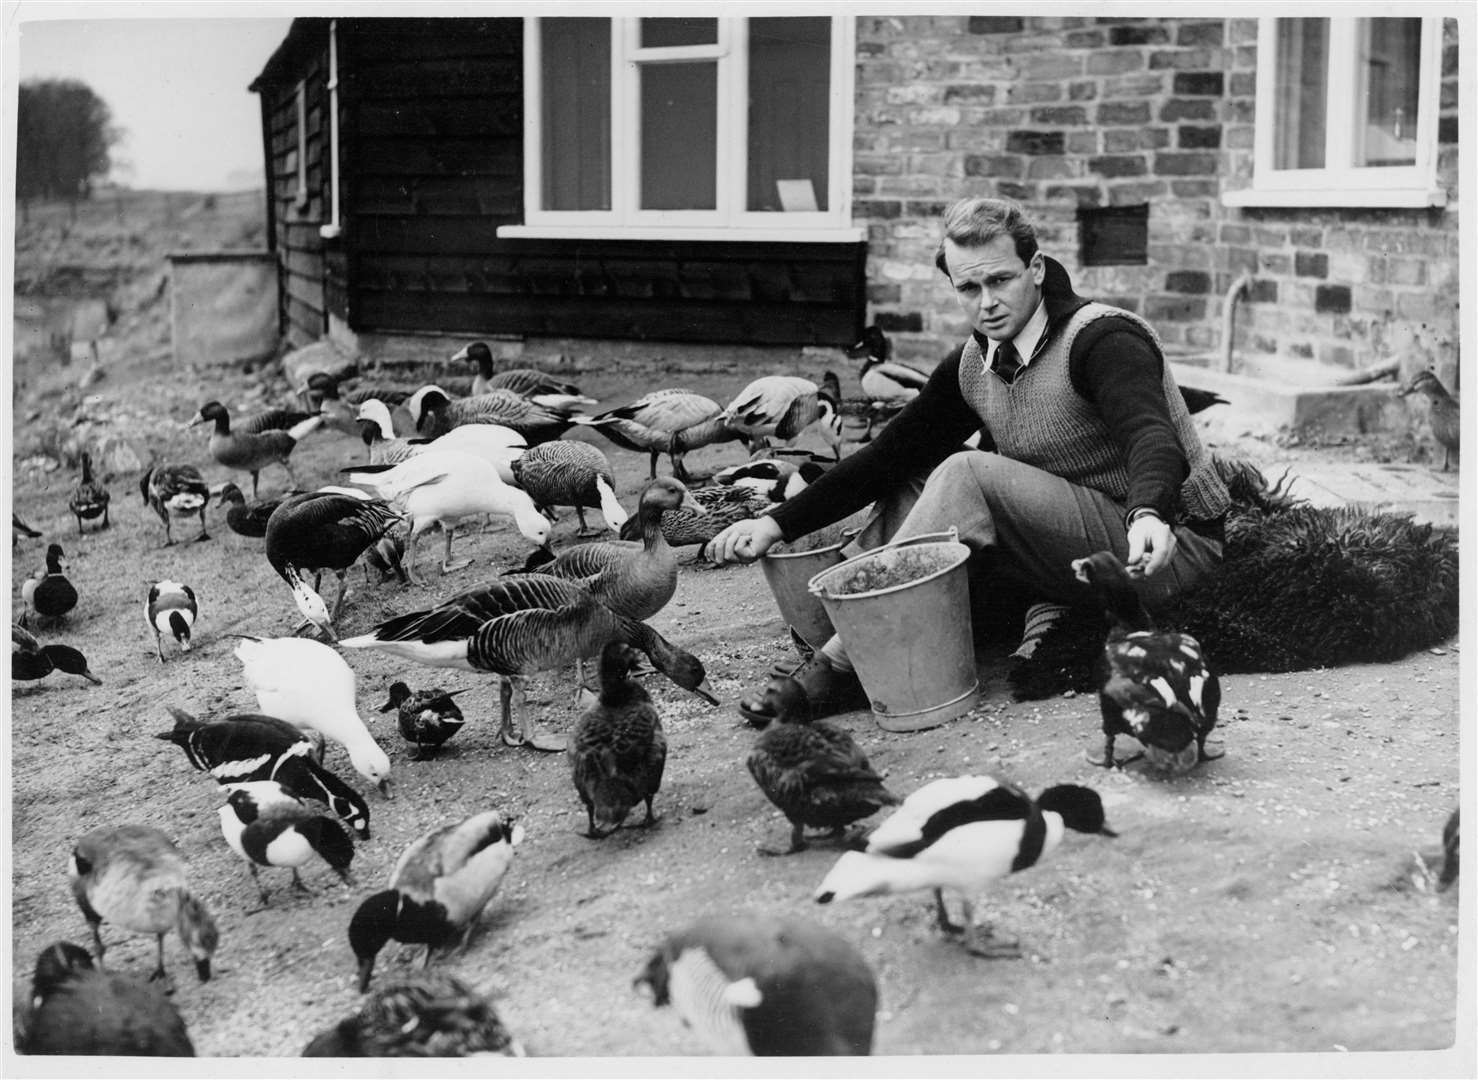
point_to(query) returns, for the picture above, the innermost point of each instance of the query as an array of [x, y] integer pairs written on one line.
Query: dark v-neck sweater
[[1113, 366]]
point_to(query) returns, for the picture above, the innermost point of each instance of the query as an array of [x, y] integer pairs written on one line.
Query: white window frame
[[1343, 185], [730, 221], [300, 194]]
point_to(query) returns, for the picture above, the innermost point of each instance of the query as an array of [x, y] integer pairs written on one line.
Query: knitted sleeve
[[1116, 368], [928, 430]]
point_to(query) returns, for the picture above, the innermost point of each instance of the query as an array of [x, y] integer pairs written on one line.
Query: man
[[1086, 445]]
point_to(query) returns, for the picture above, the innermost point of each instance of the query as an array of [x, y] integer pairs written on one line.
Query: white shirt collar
[[1029, 340]]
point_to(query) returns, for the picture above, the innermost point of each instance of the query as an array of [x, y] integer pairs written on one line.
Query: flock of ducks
[[745, 984]]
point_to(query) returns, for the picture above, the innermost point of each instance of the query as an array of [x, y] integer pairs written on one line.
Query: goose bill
[[703, 690]]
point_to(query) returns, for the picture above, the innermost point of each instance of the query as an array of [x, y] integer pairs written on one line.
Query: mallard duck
[[247, 518], [1152, 686], [309, 685], [75, 1009], [671, 421], [786, 406], [766, 985], [531, 383], [175, 491], [19, 528], [439, 887], [435, 413], [562, 472], [962, 833], [618, 750], [1447, 878], [48, 592], [171, 609], [635, 578], [814, 772], [387, 556], [318, 531], [273, 828], [89, 498], [887, 384], [519, 626], [29, 659], [429, 1014], [247, 747], [427, 718], [258, 441], [441, 488], [134, 877], [1445, 414]]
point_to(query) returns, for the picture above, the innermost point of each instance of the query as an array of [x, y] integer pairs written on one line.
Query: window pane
[[789, 80], [663, 33], [679, 136], [576, 72], [1385, 131], [1302, 93]]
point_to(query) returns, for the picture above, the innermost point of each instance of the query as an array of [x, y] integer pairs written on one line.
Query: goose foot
[[447, 568], [538, 739], [202, 536], [980, 941], [1212, 749]]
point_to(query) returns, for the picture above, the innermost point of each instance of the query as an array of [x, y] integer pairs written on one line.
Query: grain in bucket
[[903, 613]]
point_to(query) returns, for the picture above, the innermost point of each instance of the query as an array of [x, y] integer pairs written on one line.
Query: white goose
[[308, 684], [499, 446], [442, 487]]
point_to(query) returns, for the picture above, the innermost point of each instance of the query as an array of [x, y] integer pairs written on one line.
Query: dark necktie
[[1008, 363]]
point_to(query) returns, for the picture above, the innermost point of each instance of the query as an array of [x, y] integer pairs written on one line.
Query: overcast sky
[[177, 87]]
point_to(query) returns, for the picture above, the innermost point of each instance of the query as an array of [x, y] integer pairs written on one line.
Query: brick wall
[[1068, 112]]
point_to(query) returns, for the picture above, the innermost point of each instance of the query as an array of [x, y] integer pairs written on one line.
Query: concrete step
[[1425, 493], [1268, 405]]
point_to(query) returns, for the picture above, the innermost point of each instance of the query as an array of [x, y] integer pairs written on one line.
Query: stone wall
[[1063, 113]]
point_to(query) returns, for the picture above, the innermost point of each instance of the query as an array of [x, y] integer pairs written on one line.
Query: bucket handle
[[949, 535]]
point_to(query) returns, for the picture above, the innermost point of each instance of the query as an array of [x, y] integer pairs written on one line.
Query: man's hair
[[974, 222]]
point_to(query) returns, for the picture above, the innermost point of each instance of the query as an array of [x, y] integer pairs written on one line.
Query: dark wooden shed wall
[[430, 148]]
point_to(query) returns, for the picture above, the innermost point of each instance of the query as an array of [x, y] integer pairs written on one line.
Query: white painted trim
[[1342, 185], [331, 230], [778, 233]]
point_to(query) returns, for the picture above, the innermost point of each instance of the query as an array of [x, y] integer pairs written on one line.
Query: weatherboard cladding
[[431, 119]]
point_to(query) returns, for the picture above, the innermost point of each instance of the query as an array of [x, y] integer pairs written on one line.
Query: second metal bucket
[[788, 575], [903, 613]]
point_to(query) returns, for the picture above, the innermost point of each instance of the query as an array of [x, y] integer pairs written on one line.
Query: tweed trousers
[[1033, 522]]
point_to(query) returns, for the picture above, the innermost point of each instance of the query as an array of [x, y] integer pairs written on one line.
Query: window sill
[[1392, 198], [803, 235]]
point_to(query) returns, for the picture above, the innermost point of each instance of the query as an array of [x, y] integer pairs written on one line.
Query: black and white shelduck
[[267, 826], [29, 659], [49, 592], [431, 1014], [887, 384], [175, 491], [171, 609], [437, 890], [75, 1009], [427, 718], [134, 877], [814, 772], [1153, 686], [766, 985], [962, 833], [246, 747], [785, 407], [89, 498]]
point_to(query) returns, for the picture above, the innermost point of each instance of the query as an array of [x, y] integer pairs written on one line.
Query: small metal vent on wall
[[1113, 235]]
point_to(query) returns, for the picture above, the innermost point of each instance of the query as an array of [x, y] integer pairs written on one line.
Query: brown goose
[[670, 421], [257, 442], [632, 578], [519, 626], [568, 473]]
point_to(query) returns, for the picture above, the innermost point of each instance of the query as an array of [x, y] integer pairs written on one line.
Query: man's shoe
[[815, 686]]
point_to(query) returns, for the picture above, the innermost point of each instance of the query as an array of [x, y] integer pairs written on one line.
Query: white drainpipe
[[332, 229]]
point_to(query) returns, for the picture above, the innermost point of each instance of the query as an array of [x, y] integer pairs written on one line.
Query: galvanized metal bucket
[[903, 613], [788, 574]]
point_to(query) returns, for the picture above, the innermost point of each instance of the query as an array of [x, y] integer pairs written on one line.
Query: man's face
[[996, 290]]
